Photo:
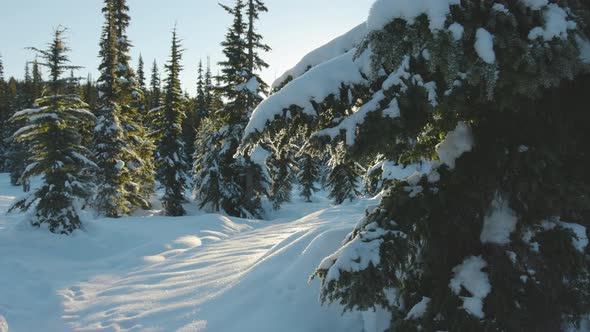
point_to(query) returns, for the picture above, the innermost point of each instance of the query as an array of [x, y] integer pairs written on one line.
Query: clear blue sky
[[291, 28]]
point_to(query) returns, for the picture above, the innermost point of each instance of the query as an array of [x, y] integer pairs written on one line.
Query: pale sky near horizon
[[291, 27]]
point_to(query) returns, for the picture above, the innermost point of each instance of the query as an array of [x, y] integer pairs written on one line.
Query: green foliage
[[309, 172], [527, 115], [122, 148], [54, 140], [222, 181], [343, 177], [168, 135]]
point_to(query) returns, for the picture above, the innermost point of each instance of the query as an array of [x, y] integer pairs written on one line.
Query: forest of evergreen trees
[[473, 128], [141, 138]]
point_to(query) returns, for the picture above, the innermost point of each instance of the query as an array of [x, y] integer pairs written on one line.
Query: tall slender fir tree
[[168, 134], [155, 96], [222, 180], [52, 133], [122, 149]]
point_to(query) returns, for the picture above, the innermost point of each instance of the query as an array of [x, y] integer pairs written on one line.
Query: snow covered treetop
[[332, 49], [385, 11], [445, 48]]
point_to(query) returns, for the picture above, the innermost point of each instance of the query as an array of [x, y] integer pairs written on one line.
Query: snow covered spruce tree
[[122, 149], [53, 135], [141, 165], [168, 134], [281, 169], [307, 176], [479, 108], [221, 180], [343, 177]]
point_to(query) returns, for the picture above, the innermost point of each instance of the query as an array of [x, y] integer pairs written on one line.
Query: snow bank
[[556, 24], [484, 46], [190, 273], [455, 144], [273, 294], [468, 275], [499, 223], [385, 11], [332, 49]]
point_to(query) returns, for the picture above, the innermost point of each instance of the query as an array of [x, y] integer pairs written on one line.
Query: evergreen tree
[[343, 177], [233, 77], [281, 178], [145, 107], [208, 88], [89, 92], [110, 147], [132, 101], [255, 85], [122, 148], [37, 89], [238, 182], [155, 88], [189, 126], [56, 153], [168, 134], [279, 163], [141, 75], [4, 116], [17, 152], [308, 176], [480, 226], [198, 111], [203, 100]]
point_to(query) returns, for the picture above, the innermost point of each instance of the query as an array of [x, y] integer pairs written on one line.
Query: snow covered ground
[[203, 272]]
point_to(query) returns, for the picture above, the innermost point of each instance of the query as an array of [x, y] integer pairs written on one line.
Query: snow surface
[[332, 49], [455, 144], [499, 223], [468, 275], [556, 24], [484, 46], [155, 273], [385, 11]]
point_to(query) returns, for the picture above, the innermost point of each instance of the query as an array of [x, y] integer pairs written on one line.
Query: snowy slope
[[197, 273]]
